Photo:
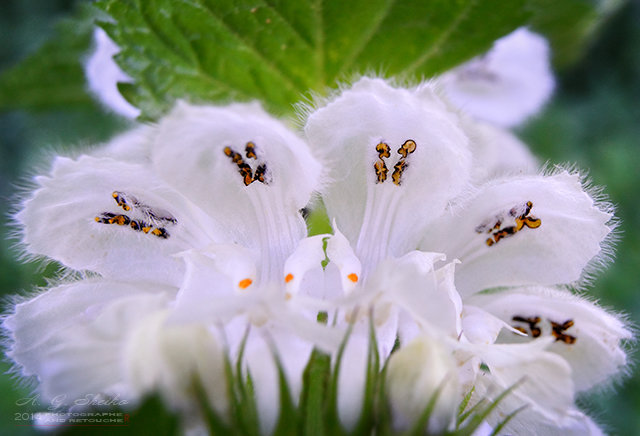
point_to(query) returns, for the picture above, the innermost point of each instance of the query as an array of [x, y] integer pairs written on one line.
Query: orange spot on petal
[[244, 283], [288, 278], [353, 277]]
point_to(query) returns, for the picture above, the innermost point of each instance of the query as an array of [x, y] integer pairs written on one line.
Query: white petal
[[571, 423], [497, 152], [103, 75], [341, 254], [570, 233], [294, 355], [595, 356], [217, 286], [308, 256], [414, 374], [481, 327], [61, 220], [72, 336], [133, 146], [190, 155], [385, 218], [544, 380], [171, 358], [508, 84], [352, 378], [428, 297]]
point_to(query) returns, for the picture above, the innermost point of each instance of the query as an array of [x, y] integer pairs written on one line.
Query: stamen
[[381, 171], [111, 218], [532, 322], [353, 277], [119, 197], [398, 169], [244, 283], [557, 330], [248, 175], [407, 148], [130, 203], [384, 151], [250, 150], [288, 278], [522, 220], [259, 174]]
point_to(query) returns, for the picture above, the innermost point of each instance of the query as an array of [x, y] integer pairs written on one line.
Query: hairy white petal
[[72, 336], [133, 146], [506, 85], [571, 423], [261, 214], [382, 218], [103, 75], [172, 359], [570, 233], [61, 220], [595, 356]]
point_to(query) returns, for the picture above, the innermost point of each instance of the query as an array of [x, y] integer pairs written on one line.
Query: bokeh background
[[593, 120]]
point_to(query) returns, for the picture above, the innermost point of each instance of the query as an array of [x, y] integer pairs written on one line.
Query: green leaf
[[278, 51], [570, 25], [53, 76]]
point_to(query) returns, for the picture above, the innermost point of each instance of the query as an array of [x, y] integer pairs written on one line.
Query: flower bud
[[415, 374]]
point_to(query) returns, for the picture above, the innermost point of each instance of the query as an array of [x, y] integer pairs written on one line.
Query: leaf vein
[[437, 45], [359, 48], [289, 24], [287, 80]]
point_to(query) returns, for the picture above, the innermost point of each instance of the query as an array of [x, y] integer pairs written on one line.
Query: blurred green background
[[593, 120]]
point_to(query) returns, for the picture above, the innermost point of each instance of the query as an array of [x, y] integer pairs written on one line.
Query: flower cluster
[[189, 244]]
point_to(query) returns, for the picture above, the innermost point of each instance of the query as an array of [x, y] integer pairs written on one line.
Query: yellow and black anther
[[119, 197], [250, 150], [558, 330], [532, 322], [522, 220], [384, 151], [248, 175], [128, 203]]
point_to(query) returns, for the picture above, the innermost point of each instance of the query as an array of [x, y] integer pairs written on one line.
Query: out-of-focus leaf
[[53, 75], [570, 25], [277, 51]]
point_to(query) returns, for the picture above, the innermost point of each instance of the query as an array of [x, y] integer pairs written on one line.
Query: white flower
[[497, 153], [408, 173], [188, 230], [585, 335], [506, 85], [382, 147], [103, 75]]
